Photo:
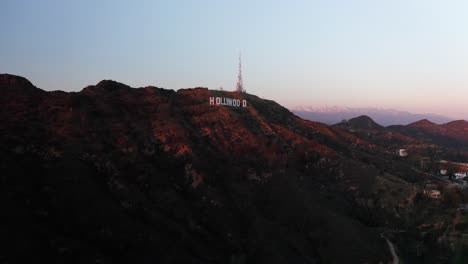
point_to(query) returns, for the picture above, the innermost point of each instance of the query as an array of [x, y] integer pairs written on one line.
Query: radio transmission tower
[[240, 83]]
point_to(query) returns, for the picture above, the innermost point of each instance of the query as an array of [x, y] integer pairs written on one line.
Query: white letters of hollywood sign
[[228, 101]]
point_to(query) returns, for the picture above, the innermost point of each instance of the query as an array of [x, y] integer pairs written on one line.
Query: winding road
[[396, 259]]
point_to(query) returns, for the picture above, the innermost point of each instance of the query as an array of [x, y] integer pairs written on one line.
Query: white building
[[460, 175], [402, 152]]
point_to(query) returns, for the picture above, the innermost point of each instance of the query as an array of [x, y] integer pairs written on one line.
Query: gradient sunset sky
[[401, 54]]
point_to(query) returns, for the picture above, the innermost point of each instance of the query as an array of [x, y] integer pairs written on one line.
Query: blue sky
[[408, 55]]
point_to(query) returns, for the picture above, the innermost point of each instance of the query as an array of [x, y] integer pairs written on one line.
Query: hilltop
[[120, 174], [361, 122]]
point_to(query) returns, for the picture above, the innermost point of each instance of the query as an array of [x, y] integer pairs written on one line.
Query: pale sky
[[404, 54]]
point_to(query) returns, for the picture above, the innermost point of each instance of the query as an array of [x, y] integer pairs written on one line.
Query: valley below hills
[[115, 174]]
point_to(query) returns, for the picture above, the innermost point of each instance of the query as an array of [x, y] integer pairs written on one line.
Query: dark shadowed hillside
[[114, 174]]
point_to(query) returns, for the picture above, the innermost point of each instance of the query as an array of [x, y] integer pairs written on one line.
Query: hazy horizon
[[341, 108], [409, 56]]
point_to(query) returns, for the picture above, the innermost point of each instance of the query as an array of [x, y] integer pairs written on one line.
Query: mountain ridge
[[423, 123]]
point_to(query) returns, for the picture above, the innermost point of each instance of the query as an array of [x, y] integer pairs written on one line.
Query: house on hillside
[[430, 190], [460, 175], [402, 153], [434, 194]]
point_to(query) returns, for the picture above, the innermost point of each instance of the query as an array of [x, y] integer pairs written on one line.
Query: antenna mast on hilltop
[[240, 83]]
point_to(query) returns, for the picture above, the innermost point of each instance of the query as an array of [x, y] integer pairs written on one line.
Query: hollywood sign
[[228, 101]]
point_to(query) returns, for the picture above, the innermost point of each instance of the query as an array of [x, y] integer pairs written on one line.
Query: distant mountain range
[[386, 117]]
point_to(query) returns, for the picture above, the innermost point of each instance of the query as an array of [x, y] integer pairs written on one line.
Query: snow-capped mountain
[[385, 117]]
